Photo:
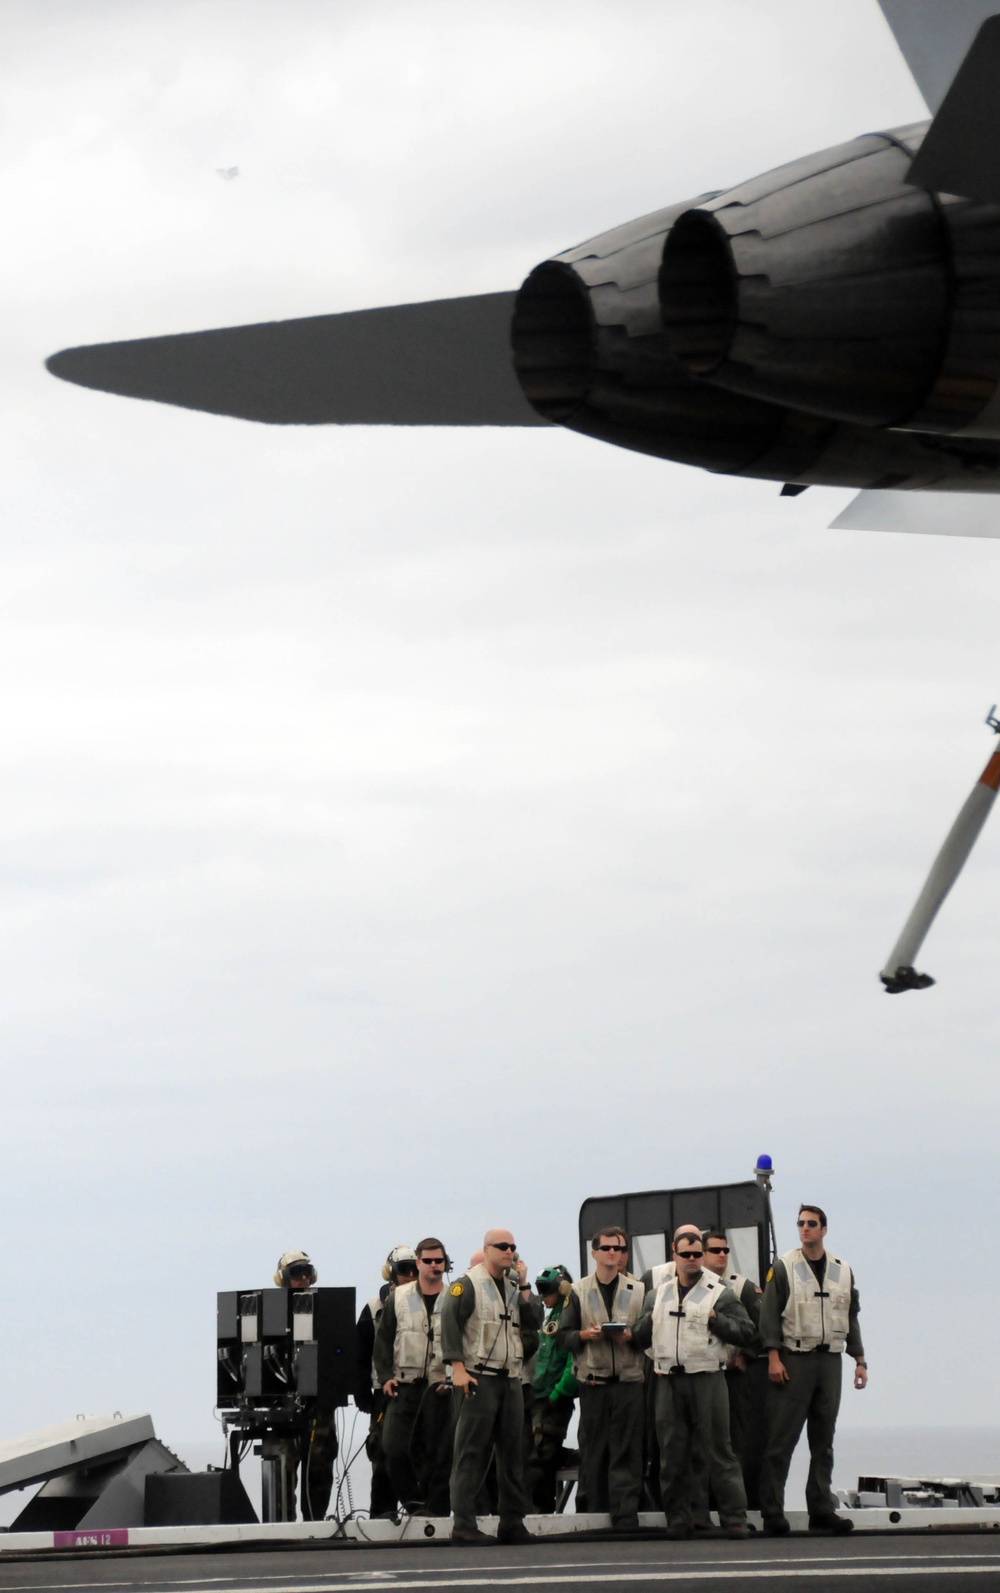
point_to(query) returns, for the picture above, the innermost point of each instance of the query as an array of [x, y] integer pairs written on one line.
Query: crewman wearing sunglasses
[[688, 1322], [809, 1317], [596, 1327], [489, 1327], [746, 1374], [409, 1370]]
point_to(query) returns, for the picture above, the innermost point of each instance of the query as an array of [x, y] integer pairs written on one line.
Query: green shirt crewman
[[554, 1388]]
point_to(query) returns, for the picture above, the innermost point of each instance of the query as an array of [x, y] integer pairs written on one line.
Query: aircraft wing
[[443, 363], [934, 36], [939, 514]]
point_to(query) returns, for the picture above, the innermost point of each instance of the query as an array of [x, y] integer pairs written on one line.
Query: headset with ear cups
[[291, 1258], [405, 1253], [549, 1276], [396, 1254]]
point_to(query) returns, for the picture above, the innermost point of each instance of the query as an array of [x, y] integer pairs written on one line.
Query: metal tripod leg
[[274, 1493]]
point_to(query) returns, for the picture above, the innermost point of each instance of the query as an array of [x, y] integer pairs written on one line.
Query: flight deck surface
[[604, 1565]]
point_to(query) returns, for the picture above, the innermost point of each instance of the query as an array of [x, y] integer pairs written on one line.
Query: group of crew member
[[694, 1385]]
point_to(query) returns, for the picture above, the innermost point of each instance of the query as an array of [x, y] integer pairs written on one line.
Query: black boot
[[514, 1532], [830, 1523]]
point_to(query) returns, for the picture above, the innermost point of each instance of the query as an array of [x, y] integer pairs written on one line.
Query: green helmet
[[553, 1280]]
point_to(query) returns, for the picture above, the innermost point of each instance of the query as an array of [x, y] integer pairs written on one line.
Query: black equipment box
[[196, 1499], [276, 1345]]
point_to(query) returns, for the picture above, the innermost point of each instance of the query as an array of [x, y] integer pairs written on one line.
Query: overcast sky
[[408, 832]]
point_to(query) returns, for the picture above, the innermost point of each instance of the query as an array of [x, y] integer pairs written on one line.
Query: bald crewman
[[489, 1326]]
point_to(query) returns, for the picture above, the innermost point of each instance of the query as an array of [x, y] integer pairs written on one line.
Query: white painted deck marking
[[680, 1574], [813, 1565]]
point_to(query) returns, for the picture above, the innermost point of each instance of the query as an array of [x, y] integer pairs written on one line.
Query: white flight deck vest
[[682, 1335], [816, 1315], [601, 1359], [737, 1282], [491, 1338], [417, 1350], [657, 1275], [376, 1306], [660, 1273]]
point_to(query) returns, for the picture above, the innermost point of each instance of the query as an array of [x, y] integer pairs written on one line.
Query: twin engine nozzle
[[746, 330]]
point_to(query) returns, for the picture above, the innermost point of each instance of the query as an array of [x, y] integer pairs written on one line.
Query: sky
[[408, 832]]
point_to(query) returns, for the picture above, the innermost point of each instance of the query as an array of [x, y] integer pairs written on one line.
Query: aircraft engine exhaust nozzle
[[899, 973], [590, 353], [809, 326], [836, 287]]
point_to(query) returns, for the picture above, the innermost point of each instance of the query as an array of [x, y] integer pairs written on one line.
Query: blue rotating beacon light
[[762, 1172]]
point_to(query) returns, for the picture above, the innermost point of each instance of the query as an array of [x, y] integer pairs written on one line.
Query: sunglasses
[[808, 1222], [618, 1249], [431, 1261], [717, 1250], [406, 1269], [690, 1255], [502, 1246]]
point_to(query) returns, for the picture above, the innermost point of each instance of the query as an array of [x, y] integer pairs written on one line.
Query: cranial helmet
[[289, 1259], [397, 1254], [553, 1280]]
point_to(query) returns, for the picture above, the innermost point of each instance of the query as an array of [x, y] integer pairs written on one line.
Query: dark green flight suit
[[692, 1422], [373, 1402], [491, 1417], [417, 1429], [810, 1399], [612, 1420], [310, 1456], [747, 1392], [747, 1415]]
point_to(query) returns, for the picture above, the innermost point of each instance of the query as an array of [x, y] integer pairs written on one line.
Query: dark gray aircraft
[[835, 322]]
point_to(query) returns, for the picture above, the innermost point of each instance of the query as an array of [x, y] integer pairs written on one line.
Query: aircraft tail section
[[934, 37]]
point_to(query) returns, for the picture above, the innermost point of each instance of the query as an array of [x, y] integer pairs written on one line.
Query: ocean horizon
[[901, 1452]]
